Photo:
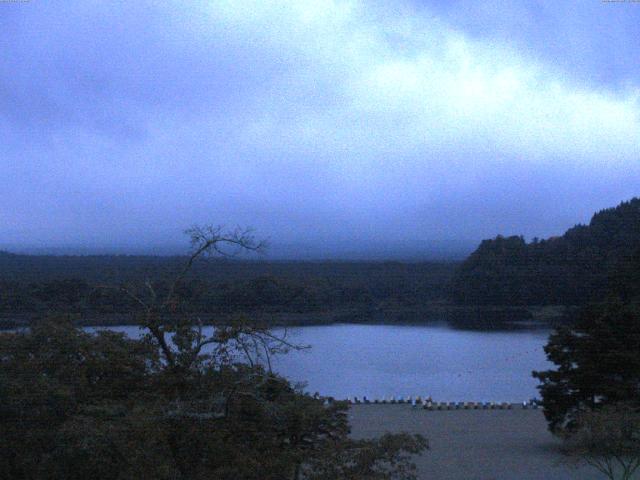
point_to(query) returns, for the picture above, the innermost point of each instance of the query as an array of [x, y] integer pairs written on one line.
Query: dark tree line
[[31, 285], [574, 269]]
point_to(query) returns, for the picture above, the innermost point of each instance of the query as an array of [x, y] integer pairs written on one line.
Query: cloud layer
[[342, 126]]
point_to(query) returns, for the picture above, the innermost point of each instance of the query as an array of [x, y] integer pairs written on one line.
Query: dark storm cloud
[[327, 125]]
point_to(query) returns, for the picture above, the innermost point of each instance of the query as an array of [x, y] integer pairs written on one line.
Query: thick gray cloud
[[335, 127], [592, 41]]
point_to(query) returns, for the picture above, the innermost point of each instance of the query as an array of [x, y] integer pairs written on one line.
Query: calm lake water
[[348, 360]]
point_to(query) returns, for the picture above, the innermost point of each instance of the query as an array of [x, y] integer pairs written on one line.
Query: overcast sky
[[332, 127]]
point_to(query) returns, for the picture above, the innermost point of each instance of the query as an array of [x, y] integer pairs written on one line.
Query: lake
[[347, 360]]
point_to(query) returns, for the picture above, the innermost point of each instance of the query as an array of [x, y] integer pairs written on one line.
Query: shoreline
[[455, 316], [475, 444]]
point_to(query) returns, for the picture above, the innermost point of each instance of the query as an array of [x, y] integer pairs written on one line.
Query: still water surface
[[348, 360]]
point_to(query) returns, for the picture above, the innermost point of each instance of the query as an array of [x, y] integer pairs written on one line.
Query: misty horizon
[[399, 129], [357, 250], [444, 251]]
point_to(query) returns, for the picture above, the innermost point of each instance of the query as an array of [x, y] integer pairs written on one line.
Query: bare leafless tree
[[181, 339], [238, 344]]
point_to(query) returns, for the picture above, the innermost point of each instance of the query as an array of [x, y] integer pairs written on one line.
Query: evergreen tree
[[598, 363]]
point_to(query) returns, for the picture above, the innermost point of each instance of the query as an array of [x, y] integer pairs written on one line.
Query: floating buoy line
[[426, 403]]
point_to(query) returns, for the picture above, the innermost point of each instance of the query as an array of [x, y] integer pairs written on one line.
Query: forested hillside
[[32, 285], [587, 263]]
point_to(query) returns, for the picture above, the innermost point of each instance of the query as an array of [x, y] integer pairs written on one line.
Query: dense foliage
[[32, 285], [78, 406], [574, 269], [597, 360]]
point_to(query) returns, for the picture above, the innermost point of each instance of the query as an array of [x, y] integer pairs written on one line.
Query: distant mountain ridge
[[585, 264]]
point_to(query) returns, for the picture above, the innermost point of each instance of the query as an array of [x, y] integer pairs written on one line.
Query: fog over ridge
[[341, 128]]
